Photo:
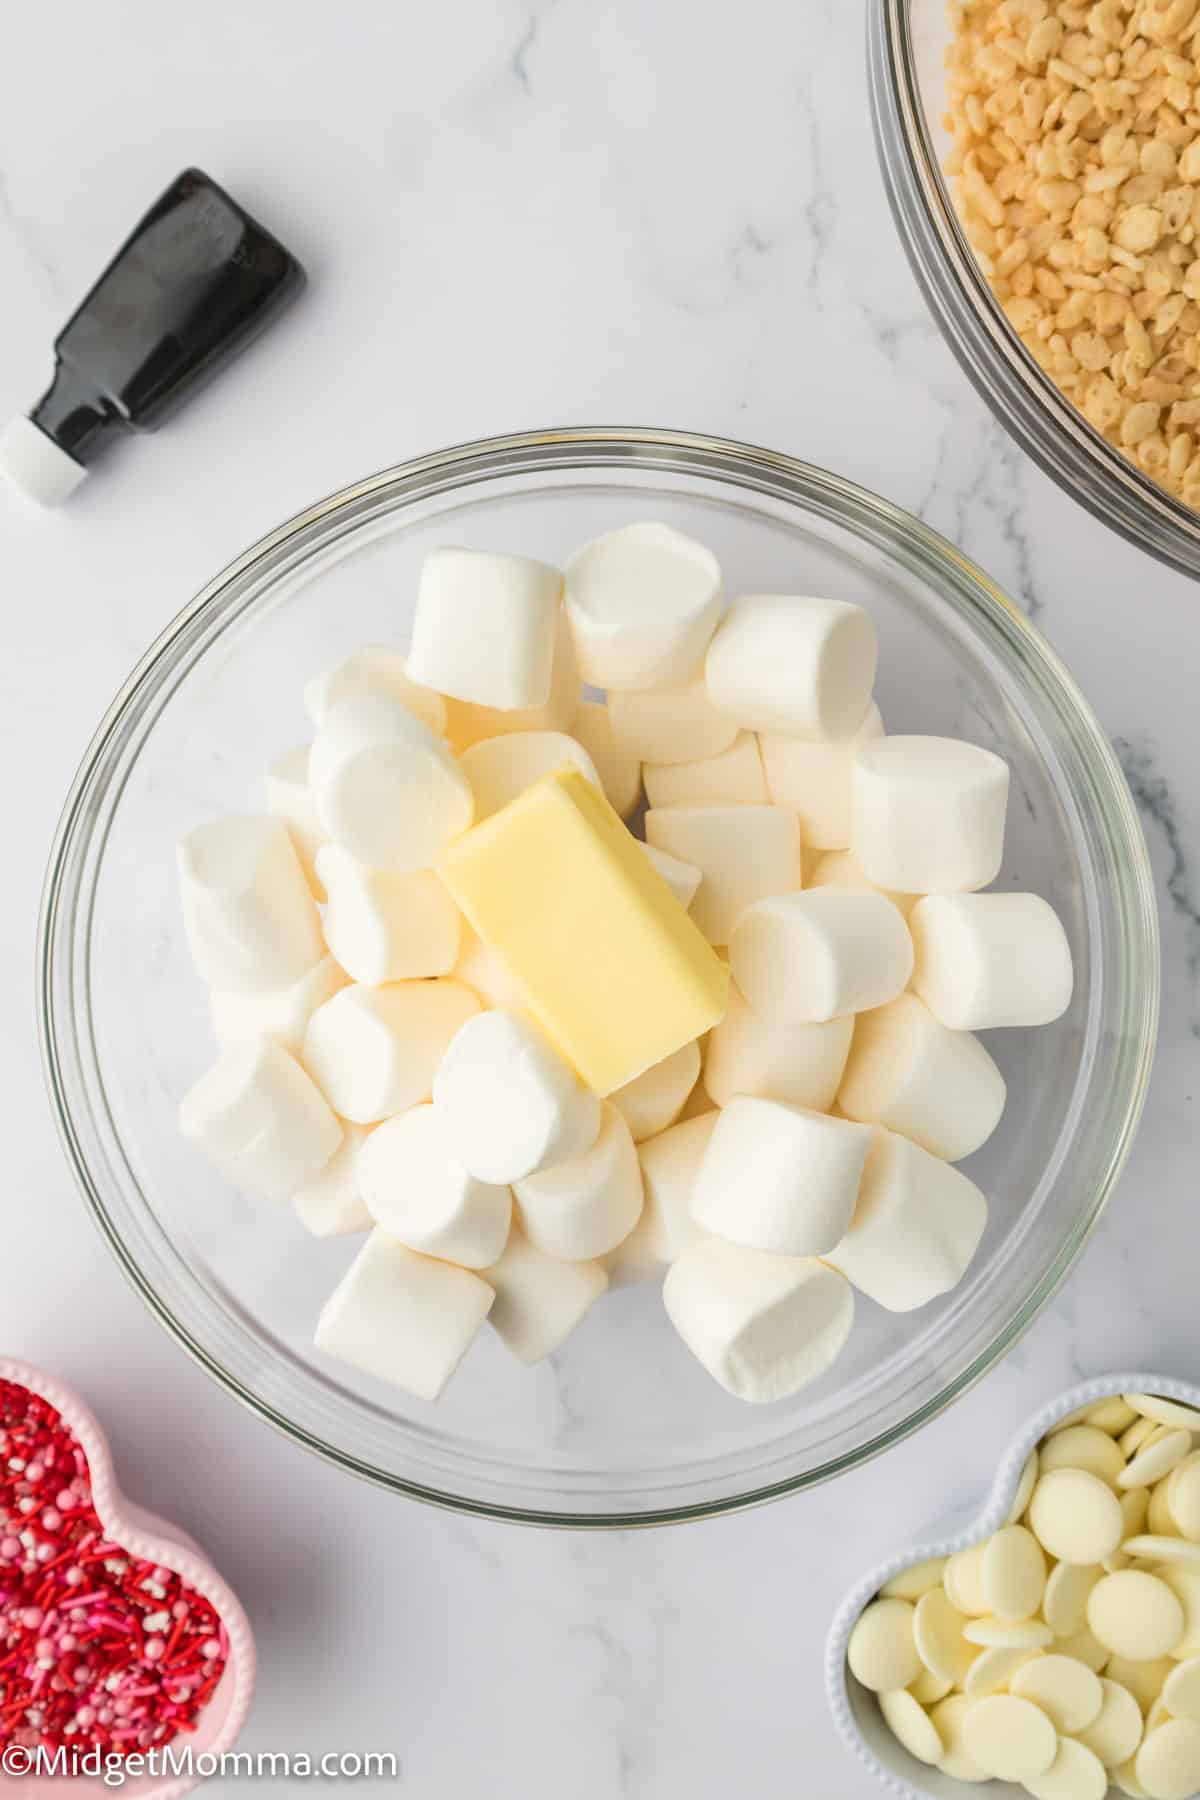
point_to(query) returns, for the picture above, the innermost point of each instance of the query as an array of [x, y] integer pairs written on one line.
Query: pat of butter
[[614, 969]]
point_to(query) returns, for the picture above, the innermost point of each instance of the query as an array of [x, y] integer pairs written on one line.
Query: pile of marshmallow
[[1064, 1652], [383, 1070]]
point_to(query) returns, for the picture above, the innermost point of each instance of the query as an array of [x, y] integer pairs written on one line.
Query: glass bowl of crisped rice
[[1040, 165]]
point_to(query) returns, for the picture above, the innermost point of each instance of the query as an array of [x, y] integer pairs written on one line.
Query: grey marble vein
[[28, 235], [1156, 802]]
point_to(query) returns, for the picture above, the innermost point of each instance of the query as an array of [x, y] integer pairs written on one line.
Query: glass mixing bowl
[[906, 39], [621, 1426]]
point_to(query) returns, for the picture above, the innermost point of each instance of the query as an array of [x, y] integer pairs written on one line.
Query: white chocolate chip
[[1168, 1763], [1009, 1634], [1010, 1739], [1075, 1516], [1013, 1573], [1116, 1731], [939, 1634], [1136, 1615], [1156, 1460], [1085, 1447], [882, 1651], [1066, 1690], [1075, 1774], [1064, 1604], [911, 1726], [1181, 1690], [919, 1578], [949, 1718]]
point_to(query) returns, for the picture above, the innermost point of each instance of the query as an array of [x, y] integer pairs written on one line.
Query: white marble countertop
[[520, 214]]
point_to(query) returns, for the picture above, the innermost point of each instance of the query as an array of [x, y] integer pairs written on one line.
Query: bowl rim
[[991, 1516], [1046, 425], [767, 472]]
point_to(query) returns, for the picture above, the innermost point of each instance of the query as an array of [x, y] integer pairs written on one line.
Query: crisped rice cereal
[[1076, 165]]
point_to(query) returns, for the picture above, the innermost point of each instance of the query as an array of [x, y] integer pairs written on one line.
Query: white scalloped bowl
[[855, 1711]]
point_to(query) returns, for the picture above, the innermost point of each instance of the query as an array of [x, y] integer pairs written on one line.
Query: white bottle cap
[[34, 463]]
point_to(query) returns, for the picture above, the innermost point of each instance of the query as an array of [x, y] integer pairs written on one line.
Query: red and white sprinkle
[[130, 1660]]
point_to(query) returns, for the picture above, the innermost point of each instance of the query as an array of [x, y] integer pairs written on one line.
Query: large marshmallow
[[763, 1326], [769, 1058], [586, 1206], [540, 1300], [261, 1120], [744, 853], [386, 925], [620, 771], [289, 797], [838, 869], [642, 603], [375, 1051], [670, 1164], [682, 878], [928, 814], [820, 954], [500, 768], [404, 1317], [816, 780], [484, 627], [911, 1073], [375, 669], [417, 1190], [510, 1104], [332, 1205], [918, 1224], [468, 724], [775, 1177], [281, 1014], [671, 725], [655, 1098], [386, 789], [486, 973], [805, 666], [991, 959], [733, 778], [250, 918]]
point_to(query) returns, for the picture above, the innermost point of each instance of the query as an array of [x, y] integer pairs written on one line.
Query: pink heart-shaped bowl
[[142, 1536]]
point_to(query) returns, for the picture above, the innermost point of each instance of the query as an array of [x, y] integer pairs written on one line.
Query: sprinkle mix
[[98, 1649]]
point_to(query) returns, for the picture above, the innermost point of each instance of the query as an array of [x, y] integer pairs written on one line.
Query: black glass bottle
[[192, 284]]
